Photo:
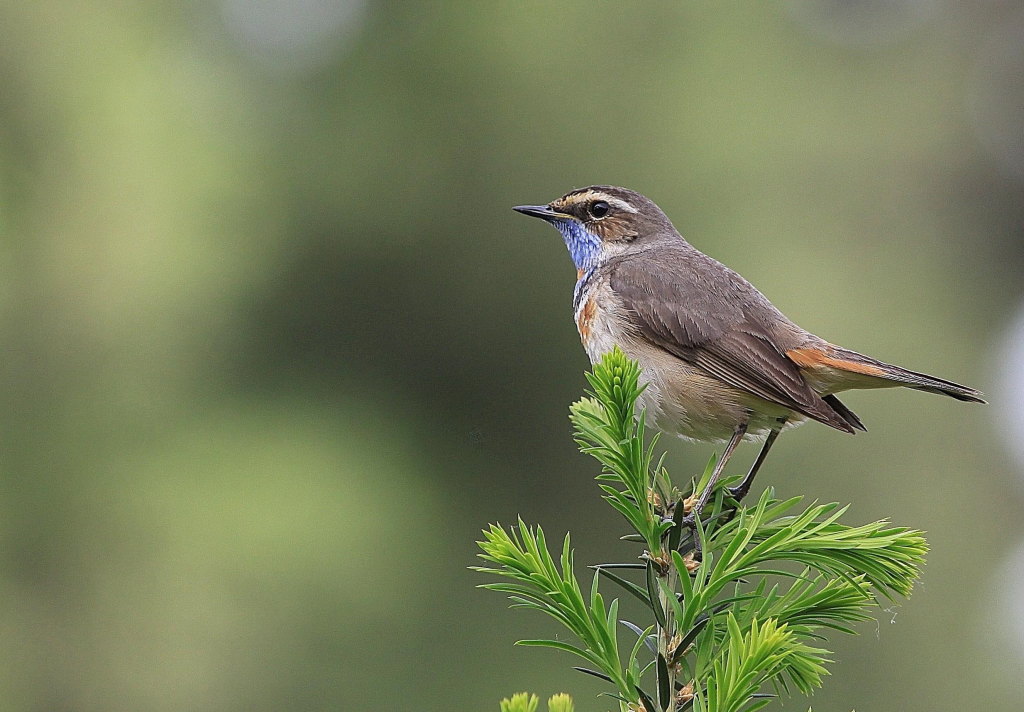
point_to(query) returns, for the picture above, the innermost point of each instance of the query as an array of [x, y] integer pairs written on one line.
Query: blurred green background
[[276, 348]]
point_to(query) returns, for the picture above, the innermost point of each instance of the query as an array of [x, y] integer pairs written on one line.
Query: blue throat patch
[[584, 246], [585, 250]]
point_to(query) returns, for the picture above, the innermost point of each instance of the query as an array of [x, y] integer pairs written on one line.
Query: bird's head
[[601, 221]]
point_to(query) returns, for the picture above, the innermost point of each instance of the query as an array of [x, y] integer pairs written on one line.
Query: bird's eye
[[599, 209]]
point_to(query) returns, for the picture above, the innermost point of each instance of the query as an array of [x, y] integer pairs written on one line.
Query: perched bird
[[722, 364]]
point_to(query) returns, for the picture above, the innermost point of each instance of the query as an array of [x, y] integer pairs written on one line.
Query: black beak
[[539, 211]]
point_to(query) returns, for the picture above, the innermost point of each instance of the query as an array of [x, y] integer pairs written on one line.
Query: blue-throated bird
[[721, 363]]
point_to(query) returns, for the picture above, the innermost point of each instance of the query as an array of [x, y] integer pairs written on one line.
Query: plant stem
[[666, 588]]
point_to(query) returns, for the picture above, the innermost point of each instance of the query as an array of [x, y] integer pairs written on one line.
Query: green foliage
[[730, 618], [607, 429], [525, 702], [520, 702], [753, 657], [560, 703], [539, 584]]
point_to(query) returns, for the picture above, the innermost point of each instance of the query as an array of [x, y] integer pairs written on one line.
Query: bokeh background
[[275, 348]]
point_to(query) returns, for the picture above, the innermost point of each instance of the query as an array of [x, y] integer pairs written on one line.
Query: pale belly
[[680, 399]]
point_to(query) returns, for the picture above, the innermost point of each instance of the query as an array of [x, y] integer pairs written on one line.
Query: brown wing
[[707, 315]]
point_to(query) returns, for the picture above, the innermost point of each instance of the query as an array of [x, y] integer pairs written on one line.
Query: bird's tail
[[903, 377]]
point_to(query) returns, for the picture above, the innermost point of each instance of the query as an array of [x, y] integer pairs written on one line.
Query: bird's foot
[[690, 522], [739, 491]]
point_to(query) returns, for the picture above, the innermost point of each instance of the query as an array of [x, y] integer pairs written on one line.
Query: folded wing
[[710, 317]]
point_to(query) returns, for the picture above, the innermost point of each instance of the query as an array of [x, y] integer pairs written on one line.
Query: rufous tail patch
[[817, 358]]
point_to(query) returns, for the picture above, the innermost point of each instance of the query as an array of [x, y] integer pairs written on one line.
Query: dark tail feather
[[931, 384], [948, 388], [918, 381], [824, 411], [845, 413]]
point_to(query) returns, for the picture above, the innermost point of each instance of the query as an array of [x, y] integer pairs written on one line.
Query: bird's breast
[[679, 397], [596, 318]]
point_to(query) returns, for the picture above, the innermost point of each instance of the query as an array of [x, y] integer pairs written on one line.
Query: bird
[[721, 363]]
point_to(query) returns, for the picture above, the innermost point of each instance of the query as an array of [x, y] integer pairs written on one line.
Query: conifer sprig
[[733, 622]]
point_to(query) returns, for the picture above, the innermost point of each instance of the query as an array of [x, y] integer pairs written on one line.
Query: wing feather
[[707, 315]]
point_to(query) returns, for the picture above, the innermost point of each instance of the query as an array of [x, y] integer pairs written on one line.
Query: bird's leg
[[690, 520], [740, 491], [698, 506]]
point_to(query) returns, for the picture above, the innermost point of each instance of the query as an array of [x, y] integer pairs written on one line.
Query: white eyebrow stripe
[[591, 195], [621, 204]]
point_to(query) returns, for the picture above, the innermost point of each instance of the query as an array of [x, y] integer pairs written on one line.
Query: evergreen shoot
[[737, 604]]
